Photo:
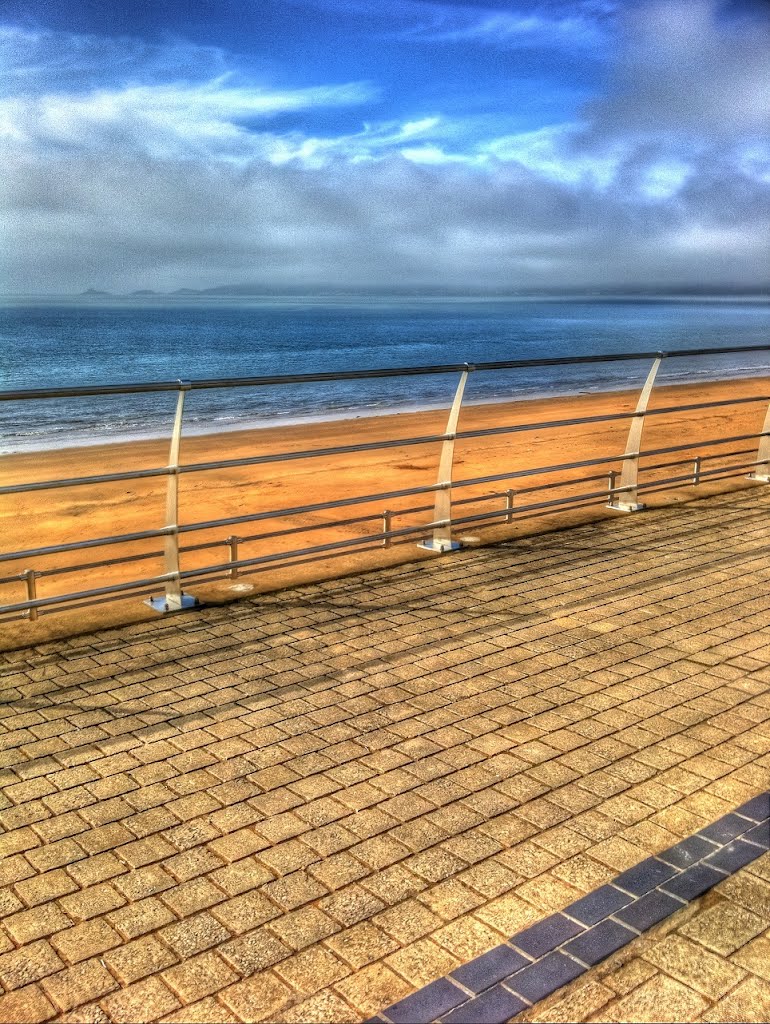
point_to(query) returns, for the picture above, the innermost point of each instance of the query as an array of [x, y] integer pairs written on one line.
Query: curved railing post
[[762, 472], [442, 509], [174, 599], [627, 500]]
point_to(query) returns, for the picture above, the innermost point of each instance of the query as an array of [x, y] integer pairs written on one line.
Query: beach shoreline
[[49, 517]]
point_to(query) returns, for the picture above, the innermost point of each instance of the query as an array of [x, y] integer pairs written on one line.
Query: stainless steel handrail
[[622, 496], [371, 374]]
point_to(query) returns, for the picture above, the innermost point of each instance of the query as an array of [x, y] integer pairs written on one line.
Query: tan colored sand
[[60, 516]]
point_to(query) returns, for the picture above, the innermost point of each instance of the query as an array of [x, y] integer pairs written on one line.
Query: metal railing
[[619, 488]]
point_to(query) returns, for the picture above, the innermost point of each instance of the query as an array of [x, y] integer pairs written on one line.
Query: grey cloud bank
[[664, 182]]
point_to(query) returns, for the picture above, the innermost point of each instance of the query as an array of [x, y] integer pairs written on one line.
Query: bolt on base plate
[[440, 545], [164, 604]]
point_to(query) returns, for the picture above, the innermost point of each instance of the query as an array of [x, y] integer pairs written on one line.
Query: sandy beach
[[73, 514]]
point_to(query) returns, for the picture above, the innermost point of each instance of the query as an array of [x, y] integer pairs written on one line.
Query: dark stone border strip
[[537, 961]]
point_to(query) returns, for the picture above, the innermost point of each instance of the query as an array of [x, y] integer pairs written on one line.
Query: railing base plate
[[621, 507], [165, 605], [760, 478], [440, 545]]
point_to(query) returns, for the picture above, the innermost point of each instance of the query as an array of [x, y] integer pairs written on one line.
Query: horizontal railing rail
[[340, 375], [618, 486]]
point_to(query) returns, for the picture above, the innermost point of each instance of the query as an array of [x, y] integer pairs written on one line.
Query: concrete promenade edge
[[309, 806]]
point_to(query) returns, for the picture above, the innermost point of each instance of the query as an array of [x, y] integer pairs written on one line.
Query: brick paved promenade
[[306, 807]]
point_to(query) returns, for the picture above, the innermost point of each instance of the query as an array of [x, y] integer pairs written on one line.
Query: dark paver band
[[537, 961]]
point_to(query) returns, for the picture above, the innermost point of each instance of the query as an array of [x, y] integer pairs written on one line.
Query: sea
[[56, 343]]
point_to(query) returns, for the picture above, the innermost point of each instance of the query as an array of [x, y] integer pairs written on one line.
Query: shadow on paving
[[311, 804]]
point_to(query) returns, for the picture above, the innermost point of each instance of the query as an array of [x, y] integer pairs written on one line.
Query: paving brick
[[190, 897], [319, 1009], [422, 962], [489, 968], [596, 944], [749, 1001], [428, 1004], [301, 928], [747, 890], [544, 977], [145, 1001], [92, 902], [373, 987], [243, 913], [598, 905], [362, 944], [199, 976], [294, 890], [311, 970], [466, 938], [694, 966], [27, 1005], [754, 957], [84, 983], [96, 869], [723, 928], [257, 999], [31, 963], [645, 1002], [758, 808], [546, 935], [241, 876], [693, 882], [407, 921], [42, 888], [508, 914], [652, 908], [645, 876], [254, 952], [724, 829], [194, 935], [205, 1011], [628, 976], [146, 881], [760, 835], [82, 941], [36, 924], [140, 918], [138, 959], [497, 1004]]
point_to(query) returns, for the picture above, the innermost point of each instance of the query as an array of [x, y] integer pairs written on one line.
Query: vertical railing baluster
[[696, 467], [442, 509], [612, 477], [30, 576], [174, 599], [387, 521], [509, 506], [232, 544], [762, 472], [628, 498]]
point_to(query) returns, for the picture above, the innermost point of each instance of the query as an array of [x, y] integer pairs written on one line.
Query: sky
[[482, 145]]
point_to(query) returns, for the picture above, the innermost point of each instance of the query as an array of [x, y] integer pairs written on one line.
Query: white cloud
[[35, 61], [663, 180], [554, 25], [506, 29], [550, 152], [155, 180], [163, 119]]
